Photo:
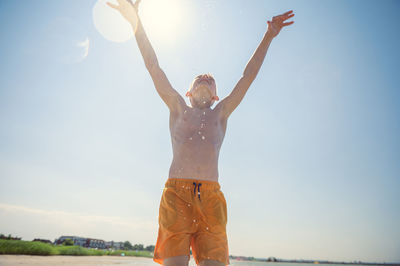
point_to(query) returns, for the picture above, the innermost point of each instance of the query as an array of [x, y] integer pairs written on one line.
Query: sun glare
[[162, 19]]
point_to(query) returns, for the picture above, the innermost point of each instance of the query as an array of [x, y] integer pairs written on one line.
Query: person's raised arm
[[168, 94], [229, 103]]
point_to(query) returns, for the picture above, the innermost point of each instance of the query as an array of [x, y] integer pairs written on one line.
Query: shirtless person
[[186, 217]]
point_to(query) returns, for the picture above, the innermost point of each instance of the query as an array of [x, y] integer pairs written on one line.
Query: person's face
[[203, 91]]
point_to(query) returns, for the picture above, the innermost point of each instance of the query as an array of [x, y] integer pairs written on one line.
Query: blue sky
[[309, 165]]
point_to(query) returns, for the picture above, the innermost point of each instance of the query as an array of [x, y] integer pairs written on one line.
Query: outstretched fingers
[[123, 4], [112, 5], [292, 15], [287, 13], [287, 23], [130, 2], [284, 16], [136, 4]]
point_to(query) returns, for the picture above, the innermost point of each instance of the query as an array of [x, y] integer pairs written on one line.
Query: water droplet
[[204, 113], [206, 228], [183, 186], [190, 138], [194, 221], [189, 205], [204, 102], [203, 137], [199, 132]]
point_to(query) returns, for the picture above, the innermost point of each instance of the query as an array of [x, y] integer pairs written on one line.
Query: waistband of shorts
[[205, 184]]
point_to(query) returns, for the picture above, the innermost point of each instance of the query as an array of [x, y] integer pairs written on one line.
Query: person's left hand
[[277, 23]]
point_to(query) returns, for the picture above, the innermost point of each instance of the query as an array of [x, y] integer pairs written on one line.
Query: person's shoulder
[[220, 113], [180, 110]]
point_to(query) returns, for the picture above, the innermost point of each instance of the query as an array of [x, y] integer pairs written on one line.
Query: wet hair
[[207, 74], [199, 76]]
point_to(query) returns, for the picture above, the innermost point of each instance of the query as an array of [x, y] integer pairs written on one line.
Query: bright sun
[[163, 19]]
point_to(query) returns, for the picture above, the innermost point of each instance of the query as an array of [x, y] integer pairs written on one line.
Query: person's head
[[203, 91]]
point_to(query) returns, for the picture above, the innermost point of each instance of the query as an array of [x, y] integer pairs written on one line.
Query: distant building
[[95, 243], [78, 241], [114, 245], [82, 241]]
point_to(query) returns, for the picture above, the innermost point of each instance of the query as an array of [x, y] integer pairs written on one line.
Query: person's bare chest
[[197, 128]]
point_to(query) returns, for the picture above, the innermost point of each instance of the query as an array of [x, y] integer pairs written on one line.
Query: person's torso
[[196, 137]]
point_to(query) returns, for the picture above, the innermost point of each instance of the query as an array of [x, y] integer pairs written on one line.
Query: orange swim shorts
[[192, 213]]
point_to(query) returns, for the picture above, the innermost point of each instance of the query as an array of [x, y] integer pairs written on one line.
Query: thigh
[[210, 242], [177, 261], [173, 238]]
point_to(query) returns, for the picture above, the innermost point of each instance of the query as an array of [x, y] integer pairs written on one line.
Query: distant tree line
[[9, 237], [139, 247]]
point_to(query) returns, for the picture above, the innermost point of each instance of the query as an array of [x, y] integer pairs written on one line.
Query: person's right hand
[[127, 9]]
